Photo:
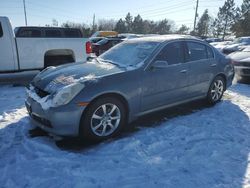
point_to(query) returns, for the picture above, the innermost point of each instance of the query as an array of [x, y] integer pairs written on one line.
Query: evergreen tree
[[121, 27], [203, 26], [163, 27], [138, 25], [129, 22], [183, 30], [225, 19], [242, 24]]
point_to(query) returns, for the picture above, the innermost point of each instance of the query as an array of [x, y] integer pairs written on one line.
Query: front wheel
[[103, 119], [216, 90]]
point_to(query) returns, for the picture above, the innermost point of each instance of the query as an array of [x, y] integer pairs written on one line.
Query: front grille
[[41, 93], [246, 71], [245, 64], [43, 121]]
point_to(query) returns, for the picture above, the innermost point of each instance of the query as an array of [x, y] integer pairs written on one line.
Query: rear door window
[[72, 33], [33, 33], [53, 33], [173, 53], [196, 51]]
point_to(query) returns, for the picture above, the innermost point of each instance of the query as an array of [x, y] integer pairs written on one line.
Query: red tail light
[[88, 47]]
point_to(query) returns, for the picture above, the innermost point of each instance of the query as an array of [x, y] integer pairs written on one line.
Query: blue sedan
[[96, 99]]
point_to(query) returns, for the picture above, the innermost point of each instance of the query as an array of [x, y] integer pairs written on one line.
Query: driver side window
[[173, 53]]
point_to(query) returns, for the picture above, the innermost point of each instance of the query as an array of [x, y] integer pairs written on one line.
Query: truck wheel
[[216, 90], [103, 119]]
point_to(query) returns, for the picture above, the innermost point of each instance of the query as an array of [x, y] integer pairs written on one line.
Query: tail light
[[88, 47]]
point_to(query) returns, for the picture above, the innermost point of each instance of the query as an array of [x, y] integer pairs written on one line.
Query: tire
[[96, 125], [216, 90]]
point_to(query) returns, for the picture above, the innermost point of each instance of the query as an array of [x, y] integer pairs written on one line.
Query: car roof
[[163, 38]]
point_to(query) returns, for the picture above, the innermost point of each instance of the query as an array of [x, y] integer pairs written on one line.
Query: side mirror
[[159, 64]]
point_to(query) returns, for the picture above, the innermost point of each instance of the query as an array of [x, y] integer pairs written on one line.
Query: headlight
[[66, 94]]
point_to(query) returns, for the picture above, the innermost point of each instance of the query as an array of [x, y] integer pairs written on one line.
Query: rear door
[[166, 85], [202, 67], [7, 49]]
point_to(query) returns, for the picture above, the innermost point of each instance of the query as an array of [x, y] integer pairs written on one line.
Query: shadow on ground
[[153, 120]]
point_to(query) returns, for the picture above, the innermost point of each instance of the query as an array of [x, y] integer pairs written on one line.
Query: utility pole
[[196, 10], [93, 27], [25, 16]]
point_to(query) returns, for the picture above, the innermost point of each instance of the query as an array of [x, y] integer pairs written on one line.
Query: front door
[[7, 59], [163, 85]]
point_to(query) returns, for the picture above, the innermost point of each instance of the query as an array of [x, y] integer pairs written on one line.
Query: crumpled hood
[[55, 78]]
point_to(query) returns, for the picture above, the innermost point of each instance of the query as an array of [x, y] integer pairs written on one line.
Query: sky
[[42, 12]]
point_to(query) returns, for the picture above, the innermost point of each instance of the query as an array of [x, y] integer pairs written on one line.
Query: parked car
[[32, 48], [104, 34], [95, 39], [89, 45], [210, 40], [97, 99], [237, 45], [220, 45], [241, 61], [105, 44]]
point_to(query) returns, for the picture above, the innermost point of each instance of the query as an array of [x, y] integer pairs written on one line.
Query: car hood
[[55, 78], [240, 56]]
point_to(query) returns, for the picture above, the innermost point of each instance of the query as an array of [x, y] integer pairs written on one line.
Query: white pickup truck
[[34, 48]]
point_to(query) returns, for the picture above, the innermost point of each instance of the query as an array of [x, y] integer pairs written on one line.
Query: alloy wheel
[[217, 90], [105, 120]]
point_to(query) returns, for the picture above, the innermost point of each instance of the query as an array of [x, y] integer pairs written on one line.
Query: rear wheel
[[216, 90], [103, 119]]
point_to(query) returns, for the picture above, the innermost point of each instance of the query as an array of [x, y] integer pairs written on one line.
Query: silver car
[[241, 62], [96, 99]]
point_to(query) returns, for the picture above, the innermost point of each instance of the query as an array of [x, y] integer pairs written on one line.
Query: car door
[[7, 50], [202, 66], [163, 85]]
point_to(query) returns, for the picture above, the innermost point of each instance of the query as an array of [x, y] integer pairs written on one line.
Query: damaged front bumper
[[61, 121]]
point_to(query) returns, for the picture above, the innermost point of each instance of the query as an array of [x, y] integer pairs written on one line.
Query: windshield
[[129, 53], [103, 41]]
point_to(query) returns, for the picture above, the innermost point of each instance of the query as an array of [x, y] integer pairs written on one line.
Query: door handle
[[213, 65], [183, 71]]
